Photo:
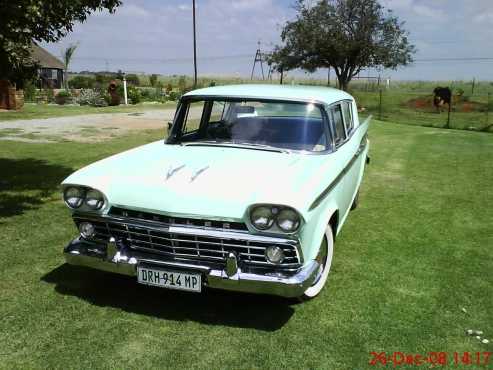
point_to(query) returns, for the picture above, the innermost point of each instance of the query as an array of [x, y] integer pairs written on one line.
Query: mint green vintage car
[[247, 193]]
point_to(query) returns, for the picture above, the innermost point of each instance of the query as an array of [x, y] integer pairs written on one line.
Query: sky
[[155, 36]]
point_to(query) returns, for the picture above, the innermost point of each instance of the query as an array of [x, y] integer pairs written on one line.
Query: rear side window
[[348, 116], [339, 132]]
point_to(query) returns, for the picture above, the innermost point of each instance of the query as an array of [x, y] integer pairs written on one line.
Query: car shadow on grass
[[25, 182], [213, 307]]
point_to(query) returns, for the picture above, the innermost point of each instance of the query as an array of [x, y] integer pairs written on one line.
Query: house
[[51, 71]]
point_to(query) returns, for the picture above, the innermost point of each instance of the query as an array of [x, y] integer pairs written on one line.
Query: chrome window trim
[[191, 98], [349, 134], [333, 184]]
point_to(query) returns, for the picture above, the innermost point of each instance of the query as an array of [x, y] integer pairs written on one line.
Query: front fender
[[314, 230]]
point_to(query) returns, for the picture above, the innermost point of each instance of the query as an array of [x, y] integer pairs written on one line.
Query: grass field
[[407, 262], [37, 111]]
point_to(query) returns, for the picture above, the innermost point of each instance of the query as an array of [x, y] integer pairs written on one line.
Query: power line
[[459, 59], [166, 60], [244, 56]]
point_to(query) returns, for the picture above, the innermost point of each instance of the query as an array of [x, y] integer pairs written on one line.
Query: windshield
[[283, 125]]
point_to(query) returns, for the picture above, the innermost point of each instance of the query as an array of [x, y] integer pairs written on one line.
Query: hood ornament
[[172, 171], [198, 172]]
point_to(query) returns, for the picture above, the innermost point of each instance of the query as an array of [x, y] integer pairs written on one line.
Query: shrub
[[92, 97], [102, 81], [169, 88], [174, 96], [63, 94], [182, 85], [30, 92], [50, 95], [133, 94], [133, 79], [153, 79], [82, 82]]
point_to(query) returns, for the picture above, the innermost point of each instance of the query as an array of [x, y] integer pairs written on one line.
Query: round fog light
[[86, 229], [274, 255]]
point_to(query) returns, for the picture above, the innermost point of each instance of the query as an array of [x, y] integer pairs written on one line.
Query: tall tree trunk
[[282, 74], [343, 82]]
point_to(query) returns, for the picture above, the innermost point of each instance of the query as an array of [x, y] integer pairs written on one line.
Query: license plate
[[169, 279]]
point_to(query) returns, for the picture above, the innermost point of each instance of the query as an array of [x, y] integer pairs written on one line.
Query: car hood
[[206, 181]]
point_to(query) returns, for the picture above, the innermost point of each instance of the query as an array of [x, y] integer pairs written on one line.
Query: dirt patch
[[87, 128], [459, 104]]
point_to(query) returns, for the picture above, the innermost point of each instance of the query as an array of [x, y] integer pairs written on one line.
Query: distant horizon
[[298, 76]]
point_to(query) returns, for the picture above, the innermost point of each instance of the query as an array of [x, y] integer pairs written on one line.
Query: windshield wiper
[[263, 146], [235, 143]]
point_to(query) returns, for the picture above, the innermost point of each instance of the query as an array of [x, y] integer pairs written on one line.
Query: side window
[[340, 133], [348, 116], [217, 111], [191, 122]]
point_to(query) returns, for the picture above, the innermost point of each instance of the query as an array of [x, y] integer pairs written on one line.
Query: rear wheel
[[324, 259]]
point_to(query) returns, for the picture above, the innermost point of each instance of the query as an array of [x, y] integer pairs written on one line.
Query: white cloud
[[185, 7], [426, 11], [484, 18]]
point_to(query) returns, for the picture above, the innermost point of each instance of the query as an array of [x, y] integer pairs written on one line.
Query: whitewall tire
[[324, 258]]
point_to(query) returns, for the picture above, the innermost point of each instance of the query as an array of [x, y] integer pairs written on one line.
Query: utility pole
[[194, 49]]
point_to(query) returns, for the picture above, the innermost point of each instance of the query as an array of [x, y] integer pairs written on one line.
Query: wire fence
[[465, 111]]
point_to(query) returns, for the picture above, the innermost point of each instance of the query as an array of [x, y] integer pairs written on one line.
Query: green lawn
[[36, 111], [409, 259]]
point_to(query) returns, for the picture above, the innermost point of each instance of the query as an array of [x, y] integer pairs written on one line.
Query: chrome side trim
[[335, 182]]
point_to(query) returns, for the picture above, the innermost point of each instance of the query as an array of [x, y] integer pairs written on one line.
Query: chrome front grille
[[147, 216], [181, 242]]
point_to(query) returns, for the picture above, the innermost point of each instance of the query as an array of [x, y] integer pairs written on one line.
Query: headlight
[[274, 255], [94, 199], [288, 220], [87, 230], [278, 218], [262, 217], [74, 196]]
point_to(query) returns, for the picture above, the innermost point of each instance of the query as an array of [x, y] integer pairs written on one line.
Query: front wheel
[[324, 258]]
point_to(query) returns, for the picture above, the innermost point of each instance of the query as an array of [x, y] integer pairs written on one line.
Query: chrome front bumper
[[120, 260]]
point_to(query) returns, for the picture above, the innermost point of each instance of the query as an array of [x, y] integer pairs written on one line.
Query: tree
[[283, 59], [347, 35], [24, 21], [67, 55], [153, 79]]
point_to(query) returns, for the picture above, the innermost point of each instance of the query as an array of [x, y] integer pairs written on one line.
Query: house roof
[[45, 59], [320, 94]]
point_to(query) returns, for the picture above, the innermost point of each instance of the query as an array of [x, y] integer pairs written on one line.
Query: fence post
[[487, 110], [380, 105], [448, 113], [473, 83]]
